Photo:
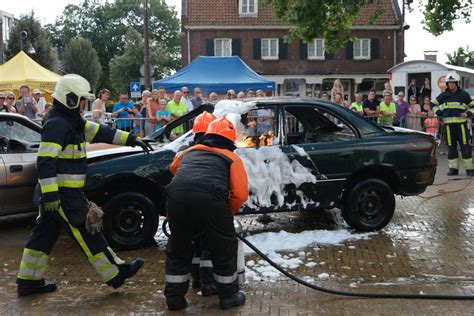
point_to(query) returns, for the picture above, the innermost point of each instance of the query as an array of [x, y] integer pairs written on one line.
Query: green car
[[300, 154]]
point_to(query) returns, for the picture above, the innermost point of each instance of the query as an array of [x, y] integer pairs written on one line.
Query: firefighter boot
[[177, 304], [236, 299], [470, 172], [209, 289], [453, 172], [126, 270], [25, 290]]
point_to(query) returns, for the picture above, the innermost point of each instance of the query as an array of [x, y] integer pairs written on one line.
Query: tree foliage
[[455, 57], [106, 25], [37, 38], [125, 68], [333, 20], [81, 58]]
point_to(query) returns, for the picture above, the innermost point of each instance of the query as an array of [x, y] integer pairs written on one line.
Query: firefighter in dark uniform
[[454, 106], [201, 269], [209, 186], [62, 165]]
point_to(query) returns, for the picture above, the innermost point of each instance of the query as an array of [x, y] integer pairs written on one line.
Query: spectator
[[337, 88], [250, 93], [413, 115], [177, 108], [153, 104], [39, 101], [402, 108], [47, 108], [431, 124], [213, 97], [387, 109], [413, 90], [325, 96], [198, 99], [146, 94], [260, 94], [137, 124], [357, 105], [98, 106], [387, 87], [9, 102], [185, 98], [2, 102], [163, 116], [371, 106], [425, 90], [425, 108], [338, 98], [122, 111], [231, 94], [241, 95], [162, 93], [25, 105]]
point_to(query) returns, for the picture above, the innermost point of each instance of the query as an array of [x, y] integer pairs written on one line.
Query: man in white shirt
[[39, 101], [186, 99]]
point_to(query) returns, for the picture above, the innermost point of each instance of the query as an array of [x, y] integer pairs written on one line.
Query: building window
[[248, 8], [269, 48], [362, 48], [316, 49], [223, 47], [7, 23]]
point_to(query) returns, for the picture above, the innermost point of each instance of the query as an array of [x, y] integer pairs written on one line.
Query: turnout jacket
[[214, 170], [449, 105], [62, 159]]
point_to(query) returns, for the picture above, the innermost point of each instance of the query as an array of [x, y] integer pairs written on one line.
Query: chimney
[[462, 60], [431, 55]]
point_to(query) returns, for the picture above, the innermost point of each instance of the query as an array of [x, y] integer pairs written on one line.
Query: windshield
[[15, 130]]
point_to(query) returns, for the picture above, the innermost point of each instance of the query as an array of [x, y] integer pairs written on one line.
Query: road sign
[[135, 90], [142, 70]]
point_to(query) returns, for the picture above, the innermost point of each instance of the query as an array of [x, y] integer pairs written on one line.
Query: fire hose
[[340, 292]]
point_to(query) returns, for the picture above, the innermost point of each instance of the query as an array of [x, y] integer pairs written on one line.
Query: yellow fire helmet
[[452, 77], [70, 89]]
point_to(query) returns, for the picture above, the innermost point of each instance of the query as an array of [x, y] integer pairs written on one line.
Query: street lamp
[[146, 48], [30, 49]]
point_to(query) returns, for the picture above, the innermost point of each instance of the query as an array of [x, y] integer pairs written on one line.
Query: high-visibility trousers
[[458, 134]]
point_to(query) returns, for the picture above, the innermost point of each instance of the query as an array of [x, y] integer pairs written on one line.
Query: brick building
[[243, 28]]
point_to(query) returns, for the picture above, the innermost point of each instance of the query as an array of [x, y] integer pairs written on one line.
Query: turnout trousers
[[195, 211], [34, 261], [201, 270], [457, 133]]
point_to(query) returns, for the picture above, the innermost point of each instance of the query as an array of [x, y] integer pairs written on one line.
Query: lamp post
[[146, 49], [23, 36], [1, 40]]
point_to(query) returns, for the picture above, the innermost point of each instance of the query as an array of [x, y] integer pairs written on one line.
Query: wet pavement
[[427, 248]]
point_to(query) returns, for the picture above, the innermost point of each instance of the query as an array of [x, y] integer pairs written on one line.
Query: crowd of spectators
[[30, 103]]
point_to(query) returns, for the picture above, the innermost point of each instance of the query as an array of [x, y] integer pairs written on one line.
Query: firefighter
[[208, 187], [201, 269], [61, 165], [453, 107]]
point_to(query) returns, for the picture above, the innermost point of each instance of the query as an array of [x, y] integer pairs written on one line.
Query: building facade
[[6, 23], [251, 31]]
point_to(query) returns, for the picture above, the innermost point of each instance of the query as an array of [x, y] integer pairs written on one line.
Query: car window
[[16, 137], [258, 128], [304, 125]]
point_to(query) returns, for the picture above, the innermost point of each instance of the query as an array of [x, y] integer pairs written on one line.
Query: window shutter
[[236, 47], [257, 48], [303, 50], [374, 48], [350, 51], [328, 55], [282, 49], [209, 47]]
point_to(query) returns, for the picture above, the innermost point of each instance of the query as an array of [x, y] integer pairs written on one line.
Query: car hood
[[103, 150], [404, 130]]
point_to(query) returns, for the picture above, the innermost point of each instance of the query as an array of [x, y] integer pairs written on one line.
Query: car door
[[19, 160], [325, 144]]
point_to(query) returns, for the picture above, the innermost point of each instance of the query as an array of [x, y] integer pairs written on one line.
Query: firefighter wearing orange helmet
[[209, 186]]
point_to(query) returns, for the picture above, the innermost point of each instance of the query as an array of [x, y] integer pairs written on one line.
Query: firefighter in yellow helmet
[[454, 106], [62, 165]]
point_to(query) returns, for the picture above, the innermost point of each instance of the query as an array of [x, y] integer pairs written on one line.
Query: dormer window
[[248, 8]]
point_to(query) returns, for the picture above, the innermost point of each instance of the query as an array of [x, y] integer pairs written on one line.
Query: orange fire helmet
[[222, 127], [202, 121]]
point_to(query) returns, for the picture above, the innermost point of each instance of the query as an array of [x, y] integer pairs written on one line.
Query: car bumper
[[414, 182]]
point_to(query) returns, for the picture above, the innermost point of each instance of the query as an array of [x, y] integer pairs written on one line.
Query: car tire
[[369, 205], [130, 221]]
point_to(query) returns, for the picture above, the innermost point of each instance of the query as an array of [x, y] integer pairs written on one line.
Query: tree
[[37, 37], [81, 58], [106, 25], [455, 58], [126, 67], [333, 20]]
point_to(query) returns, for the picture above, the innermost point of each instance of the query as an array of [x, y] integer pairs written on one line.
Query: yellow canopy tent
[[22, 70]]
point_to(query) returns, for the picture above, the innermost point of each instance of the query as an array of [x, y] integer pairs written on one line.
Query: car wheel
[[130, 221], [369, 205]]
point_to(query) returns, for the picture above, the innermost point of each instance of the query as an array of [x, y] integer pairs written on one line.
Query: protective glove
[[52, 206], [94, 219], [143, 144]]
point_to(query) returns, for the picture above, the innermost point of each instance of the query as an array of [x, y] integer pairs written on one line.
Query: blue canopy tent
[[216, 74]]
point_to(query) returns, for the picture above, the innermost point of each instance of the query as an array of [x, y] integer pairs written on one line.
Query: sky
[[417, 40]]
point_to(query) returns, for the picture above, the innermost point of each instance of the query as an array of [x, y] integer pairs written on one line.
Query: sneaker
[[126, 271], [209, 289], [25, 290], [177, 305], [453, 172], [236, 299]]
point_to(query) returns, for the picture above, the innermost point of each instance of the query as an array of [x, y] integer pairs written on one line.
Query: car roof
[[22, 119]]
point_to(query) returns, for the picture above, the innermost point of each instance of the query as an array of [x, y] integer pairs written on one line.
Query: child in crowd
[[431, 124], [137, 124], [163, 116]]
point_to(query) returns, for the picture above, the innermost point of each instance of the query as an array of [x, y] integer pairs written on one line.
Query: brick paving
[[428, 247]]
